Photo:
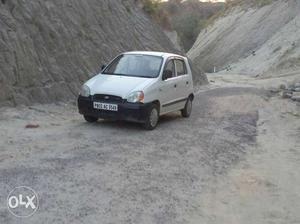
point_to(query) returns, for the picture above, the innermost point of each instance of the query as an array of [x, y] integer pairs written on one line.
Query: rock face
[[173, 36], [49, 48], [252, 40]]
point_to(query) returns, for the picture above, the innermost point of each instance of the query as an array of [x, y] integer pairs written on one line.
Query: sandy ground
[[236, 160]]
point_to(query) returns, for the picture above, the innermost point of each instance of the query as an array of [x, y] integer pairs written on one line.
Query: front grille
[[107, 98]]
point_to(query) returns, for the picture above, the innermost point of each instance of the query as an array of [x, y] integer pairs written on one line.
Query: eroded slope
[[48, 48], [252, 40]]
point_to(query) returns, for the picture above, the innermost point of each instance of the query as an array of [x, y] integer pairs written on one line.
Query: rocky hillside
[[252, 39], [49, 48], [183, 20]]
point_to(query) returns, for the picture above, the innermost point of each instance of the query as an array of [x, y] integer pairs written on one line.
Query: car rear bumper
[[136, 112]]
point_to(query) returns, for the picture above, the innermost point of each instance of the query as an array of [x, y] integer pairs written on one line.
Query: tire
[[90, 119], [187, 110], [152, 118]]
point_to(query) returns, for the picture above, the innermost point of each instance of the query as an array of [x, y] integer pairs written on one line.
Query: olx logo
[[22, 202]]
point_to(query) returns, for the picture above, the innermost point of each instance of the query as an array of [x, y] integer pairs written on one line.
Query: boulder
[[297, 85], [297, 89], [296, 98], [274, 90], [296, 93], [287, 94], [282, 86]]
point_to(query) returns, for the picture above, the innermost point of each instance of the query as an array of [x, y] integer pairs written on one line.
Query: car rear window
[[180, 67]]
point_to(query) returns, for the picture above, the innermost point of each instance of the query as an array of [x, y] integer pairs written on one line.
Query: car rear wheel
[[187, 110], [90, 118], [152, 118]]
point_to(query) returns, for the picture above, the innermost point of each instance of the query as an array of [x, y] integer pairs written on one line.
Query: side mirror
[[167, 74], [103, 67]]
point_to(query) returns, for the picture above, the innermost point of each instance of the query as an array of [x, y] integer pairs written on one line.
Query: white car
[[139, 86]]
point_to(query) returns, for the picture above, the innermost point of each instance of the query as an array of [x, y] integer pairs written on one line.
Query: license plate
[[106, 106]]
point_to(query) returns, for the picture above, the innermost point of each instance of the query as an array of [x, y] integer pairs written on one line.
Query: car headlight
[[85, 91], [136, 97]]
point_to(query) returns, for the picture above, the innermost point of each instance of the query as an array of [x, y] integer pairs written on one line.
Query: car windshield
[[147, 66]]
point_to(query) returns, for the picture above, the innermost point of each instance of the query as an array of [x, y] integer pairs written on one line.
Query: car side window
[[171, 67], [180, 67]]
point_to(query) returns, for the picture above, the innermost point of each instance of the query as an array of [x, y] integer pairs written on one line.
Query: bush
[[151, 6], [259, 3], [262, 3], [187, 18], [188, 29]]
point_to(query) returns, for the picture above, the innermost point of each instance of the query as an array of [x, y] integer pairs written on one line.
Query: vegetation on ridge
[[187, 18]]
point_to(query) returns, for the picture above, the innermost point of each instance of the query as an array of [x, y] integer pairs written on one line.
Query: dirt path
[[236, 160]]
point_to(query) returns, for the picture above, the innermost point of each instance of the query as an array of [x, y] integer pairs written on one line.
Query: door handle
[[187, 82], [175, 85]]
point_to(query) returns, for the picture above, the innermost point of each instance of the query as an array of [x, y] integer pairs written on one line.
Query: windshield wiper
[[130, 75], [113, 74]]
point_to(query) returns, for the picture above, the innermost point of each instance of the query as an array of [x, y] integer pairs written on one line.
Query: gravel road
[[209, 168]]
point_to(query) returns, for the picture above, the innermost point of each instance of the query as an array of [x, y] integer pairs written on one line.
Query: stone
[[287, 94], [296, 93], [282, 86], [296, 98], [297, 89], [274, 90]]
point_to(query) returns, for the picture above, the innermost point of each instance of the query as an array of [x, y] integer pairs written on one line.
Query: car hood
[[117, 85]]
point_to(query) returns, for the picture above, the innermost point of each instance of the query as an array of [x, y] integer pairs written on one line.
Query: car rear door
[[168, 89], [183, 81]]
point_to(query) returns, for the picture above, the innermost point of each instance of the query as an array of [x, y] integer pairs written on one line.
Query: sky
[[213, 0], [203, 0]]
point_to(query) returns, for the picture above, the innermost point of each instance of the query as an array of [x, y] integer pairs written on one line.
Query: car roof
[[154, 53]]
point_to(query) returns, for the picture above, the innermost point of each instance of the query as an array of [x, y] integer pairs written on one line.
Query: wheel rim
[[189, 107], [153, 117]]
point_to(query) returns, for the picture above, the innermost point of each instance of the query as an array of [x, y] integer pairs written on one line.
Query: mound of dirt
[[252, 40]]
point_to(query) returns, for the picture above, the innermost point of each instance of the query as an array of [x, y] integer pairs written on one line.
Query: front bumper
[[136, 112]]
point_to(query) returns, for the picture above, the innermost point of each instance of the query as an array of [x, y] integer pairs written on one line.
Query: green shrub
[[259, 3], [151, 6], [262, 3], [188, 28]]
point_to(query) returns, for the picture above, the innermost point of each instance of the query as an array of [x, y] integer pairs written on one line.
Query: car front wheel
[[187, 110], [152, 118], [90, 118]]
